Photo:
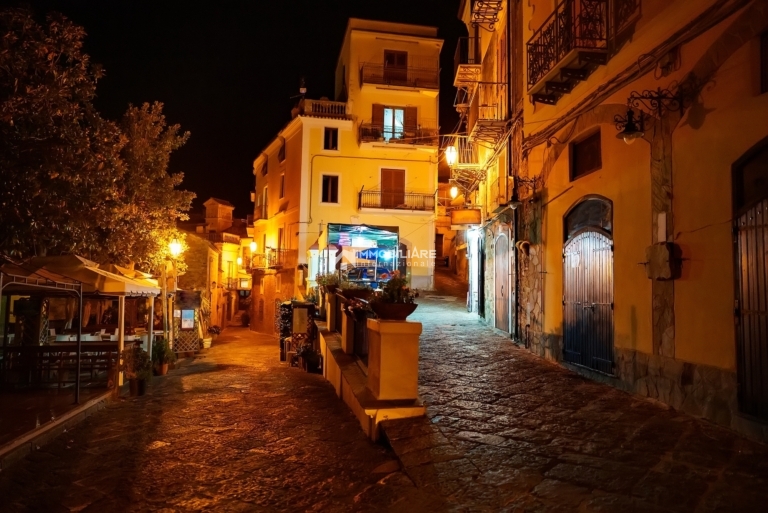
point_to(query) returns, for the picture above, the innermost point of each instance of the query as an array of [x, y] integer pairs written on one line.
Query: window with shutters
[[330, 189], [392, 188], [331, 139], [264, 203], [395, 66], [282, 185], [586, 156], [281, 153], [394, 123], [265, 167]]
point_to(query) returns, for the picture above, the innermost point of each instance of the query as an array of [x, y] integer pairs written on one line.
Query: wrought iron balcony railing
[[400, 200], [573, 25], [578, 36], [223, 237], [424, 134], [466, 61], [422, 76], [325, 109], [274, 258]]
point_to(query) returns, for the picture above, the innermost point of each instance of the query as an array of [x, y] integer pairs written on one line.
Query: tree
[[74, 182], [58, 157], [148, 204]]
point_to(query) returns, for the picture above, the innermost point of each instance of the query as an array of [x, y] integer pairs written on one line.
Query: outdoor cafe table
[[57, 362]]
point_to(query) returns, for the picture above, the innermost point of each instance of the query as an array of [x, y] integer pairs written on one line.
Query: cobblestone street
[[507, 431], [233, 430]]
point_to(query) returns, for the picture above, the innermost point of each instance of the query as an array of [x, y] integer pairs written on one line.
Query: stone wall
[[269, 287]]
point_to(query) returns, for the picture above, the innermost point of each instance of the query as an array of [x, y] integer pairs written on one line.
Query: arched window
[[590, 211]]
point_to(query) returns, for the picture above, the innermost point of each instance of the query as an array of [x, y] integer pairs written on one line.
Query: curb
[[17, 449]]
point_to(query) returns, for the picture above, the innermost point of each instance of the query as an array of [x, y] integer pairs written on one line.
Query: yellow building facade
[[637, 200], [366, 158]]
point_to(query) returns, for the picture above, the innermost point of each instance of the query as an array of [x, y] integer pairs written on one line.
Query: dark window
[[586, 156], [265, 168], [282, 185], [281, 153], [330, 189], [764, 62], [331, 141]]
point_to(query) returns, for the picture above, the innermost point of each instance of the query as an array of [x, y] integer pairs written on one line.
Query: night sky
[[226, 70]]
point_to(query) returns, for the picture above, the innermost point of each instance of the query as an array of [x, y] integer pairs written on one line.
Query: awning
[[94, 279]]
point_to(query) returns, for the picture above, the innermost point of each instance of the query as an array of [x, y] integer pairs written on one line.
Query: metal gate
[[588, 301], [752, 310], [501, 282]]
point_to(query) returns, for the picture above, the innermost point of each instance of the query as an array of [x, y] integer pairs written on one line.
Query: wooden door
[[392, 188], [395, 66], [588, 301], [502, 283]]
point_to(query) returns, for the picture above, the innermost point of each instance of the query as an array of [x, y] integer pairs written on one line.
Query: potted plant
[[309, 359], [329, 281], [350, 290], [137, 367], [396, 301], [214, 331], [162, 356]]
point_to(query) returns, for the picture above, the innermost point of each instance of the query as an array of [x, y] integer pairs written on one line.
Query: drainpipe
[[515, 331]]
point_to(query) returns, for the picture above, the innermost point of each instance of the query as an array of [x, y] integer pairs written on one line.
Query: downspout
[[514, 332]]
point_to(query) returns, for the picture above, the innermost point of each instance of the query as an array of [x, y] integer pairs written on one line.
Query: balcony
[[467, 62], [421, 75], [399, 200], [488, 114], [274, 259], [325, 109], [485, 13], [424, 134], [574, 40], [222, 237]]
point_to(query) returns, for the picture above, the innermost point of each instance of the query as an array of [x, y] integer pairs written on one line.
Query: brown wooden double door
[[392, 188]]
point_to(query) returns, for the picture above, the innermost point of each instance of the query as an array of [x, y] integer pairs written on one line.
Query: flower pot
[[357, 293], [393, 311], [330, 289], [163, 369], [137, 386], [207, 342]]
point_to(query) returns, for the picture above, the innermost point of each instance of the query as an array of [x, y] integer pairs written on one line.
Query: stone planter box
[[393, 359]]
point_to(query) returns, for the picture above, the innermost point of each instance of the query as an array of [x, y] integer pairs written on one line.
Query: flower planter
[[207, 342], [161, 369], [137, 386], [393, 311], [331, 289], [357, 293]]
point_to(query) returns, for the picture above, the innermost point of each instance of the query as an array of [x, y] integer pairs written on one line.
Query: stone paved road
[[507, 431], [234, 430]]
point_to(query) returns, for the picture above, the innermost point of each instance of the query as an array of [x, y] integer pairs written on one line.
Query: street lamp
[[175, 247], [630, 130], [239, 261], [450, 155], [253, 247], [454, 192], [657, 101]]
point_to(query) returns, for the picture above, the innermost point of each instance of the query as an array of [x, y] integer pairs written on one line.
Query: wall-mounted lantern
[[656, 101], [450, 155]]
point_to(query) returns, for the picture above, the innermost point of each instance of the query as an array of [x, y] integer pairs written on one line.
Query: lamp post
[[657, 101], [174, 249]]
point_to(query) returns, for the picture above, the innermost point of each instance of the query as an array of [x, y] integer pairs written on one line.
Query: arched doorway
[[588, 285], [750, 204], [501, 281]]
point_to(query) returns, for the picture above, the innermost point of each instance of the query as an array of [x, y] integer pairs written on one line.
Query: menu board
[[187, 319]]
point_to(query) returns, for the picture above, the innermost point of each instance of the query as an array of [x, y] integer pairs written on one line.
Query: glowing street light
[[454, 192], [175, 247], [450, 155], [239, 261], [253, 246]]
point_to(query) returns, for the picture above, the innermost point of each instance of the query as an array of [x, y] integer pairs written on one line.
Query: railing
[[325, 109], [223, 237], [424, 77], [396, 199], [274, 258], [466, 151], [467, 53], [422, 134], [489, 103], [574, 24]]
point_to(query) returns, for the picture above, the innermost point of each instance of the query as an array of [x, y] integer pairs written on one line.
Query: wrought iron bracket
[[485, 14], [657, 101]]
